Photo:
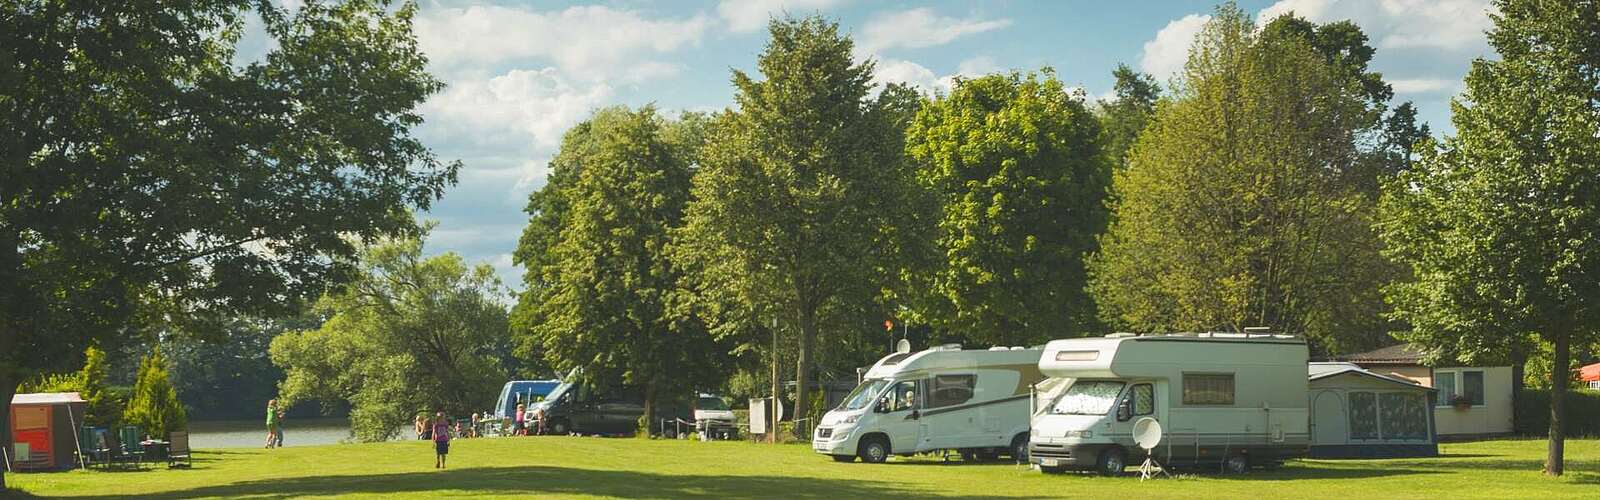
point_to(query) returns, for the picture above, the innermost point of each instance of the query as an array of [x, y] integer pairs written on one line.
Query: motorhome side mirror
[[1125, 410]]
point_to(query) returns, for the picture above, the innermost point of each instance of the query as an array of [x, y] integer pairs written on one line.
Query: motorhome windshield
[[712, 404], [1088, 397], [557, 392], [864, 394]]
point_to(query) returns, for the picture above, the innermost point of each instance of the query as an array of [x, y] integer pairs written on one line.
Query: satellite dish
[[903, 346], [1147, 433]]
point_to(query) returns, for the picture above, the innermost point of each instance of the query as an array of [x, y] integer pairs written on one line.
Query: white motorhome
[[1231, 400], [972, 401]]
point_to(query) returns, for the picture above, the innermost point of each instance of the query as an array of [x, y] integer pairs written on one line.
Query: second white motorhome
[[1232, 400], [972, 401]]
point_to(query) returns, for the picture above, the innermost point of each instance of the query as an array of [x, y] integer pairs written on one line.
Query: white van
[[972, 401], [1228, 400]]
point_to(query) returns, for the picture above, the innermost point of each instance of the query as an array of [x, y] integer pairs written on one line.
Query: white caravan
[[1229, 400], [972, 401]]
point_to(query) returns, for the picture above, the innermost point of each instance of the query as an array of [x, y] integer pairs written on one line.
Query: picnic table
[[155, 449]]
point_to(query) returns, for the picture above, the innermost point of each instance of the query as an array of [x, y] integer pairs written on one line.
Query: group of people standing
[[525, 421], [274, 424]]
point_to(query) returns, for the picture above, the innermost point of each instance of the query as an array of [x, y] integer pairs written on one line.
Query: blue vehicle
[[522, 391]]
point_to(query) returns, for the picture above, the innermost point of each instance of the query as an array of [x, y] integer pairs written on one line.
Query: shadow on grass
[[535, 481]]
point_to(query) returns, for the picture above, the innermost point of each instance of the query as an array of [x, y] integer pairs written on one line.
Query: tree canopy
[[408, 334], [1016, 165], [607, 299], [1499, 227], [796, 194], [144, 167], [1234, 210]]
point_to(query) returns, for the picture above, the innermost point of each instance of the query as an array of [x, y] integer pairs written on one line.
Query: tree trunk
[[8, 387], [802, 376], [649, 407], [1519, 362], [772, 409], [1553, 463]]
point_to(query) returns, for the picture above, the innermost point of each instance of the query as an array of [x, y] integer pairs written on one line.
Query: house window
[[1207, 389], [1472, 386], [1463, 383], [951, 390]]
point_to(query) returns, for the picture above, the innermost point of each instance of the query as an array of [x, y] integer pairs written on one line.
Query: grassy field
[[599, 467]]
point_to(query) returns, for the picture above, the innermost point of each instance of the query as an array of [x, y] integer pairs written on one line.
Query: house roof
[[1398, 354], [46, 398], [1589, 373], [1319, 371]]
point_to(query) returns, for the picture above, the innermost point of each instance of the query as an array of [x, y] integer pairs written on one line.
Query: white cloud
[[918, 28], [592, 42], [917, 75], [1422, 85], [1165, 54], [910, 73], [1395, 24], [516, 108], [978, 66], [744, 16]]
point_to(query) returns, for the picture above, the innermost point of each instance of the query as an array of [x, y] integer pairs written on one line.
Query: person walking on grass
[[278, 443], [441, 439], [272, 424]]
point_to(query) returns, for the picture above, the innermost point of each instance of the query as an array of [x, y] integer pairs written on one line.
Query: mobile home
[[974, 402], [1230, 400]]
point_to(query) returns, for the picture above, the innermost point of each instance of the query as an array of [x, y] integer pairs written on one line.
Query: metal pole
[[772, 433], [75, 440]]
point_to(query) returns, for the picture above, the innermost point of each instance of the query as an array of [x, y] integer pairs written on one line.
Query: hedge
[[1583, 413]]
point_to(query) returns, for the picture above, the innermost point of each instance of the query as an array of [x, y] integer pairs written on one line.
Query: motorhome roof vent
[[999, 348], [1017, 348], [949, 347], [1121, 335]]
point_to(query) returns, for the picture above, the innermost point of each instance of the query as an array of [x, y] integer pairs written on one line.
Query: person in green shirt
[[272, 423]]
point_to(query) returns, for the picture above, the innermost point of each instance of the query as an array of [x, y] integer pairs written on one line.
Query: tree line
[[154, 188]]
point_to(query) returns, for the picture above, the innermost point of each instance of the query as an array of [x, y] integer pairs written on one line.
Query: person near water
[[441, 439], [278, 442], [272, 422]]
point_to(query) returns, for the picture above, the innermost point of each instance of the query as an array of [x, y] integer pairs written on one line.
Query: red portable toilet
[[44, 430]]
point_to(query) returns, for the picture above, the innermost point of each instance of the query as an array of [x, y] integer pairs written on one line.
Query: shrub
[[1533, 413], [154, 406]]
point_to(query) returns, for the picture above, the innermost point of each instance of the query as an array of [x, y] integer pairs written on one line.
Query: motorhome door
[[901, 415], [1138, 401]]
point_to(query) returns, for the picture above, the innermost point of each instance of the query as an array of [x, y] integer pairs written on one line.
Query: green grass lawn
[[582, 467]]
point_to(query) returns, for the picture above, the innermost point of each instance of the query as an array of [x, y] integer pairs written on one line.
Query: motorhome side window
[[1208, 388], [951, 390], [903, 396], [1144, 399]]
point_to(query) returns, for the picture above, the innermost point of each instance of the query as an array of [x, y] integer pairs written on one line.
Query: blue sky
[[521, 73]]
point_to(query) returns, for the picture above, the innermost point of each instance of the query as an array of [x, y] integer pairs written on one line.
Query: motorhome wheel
[[1019, 448], [559, 427], [1237, 464], [875, 451], [1112, 461]]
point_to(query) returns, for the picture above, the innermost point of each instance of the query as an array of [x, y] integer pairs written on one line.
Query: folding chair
[[178, 450]]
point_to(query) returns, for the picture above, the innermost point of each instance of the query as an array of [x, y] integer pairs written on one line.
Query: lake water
[[253, 433]]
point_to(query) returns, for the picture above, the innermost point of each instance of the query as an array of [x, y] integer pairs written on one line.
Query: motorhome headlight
[[850, 419], [1080, 434]]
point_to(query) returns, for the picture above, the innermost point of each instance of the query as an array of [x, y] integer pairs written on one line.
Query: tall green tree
[[1499, 227], [608, 300], [142, 165], [1017, 166], [796, 194], [1128, 113], [154, 405], [233, 377], [409, 334], [1233, 211]]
